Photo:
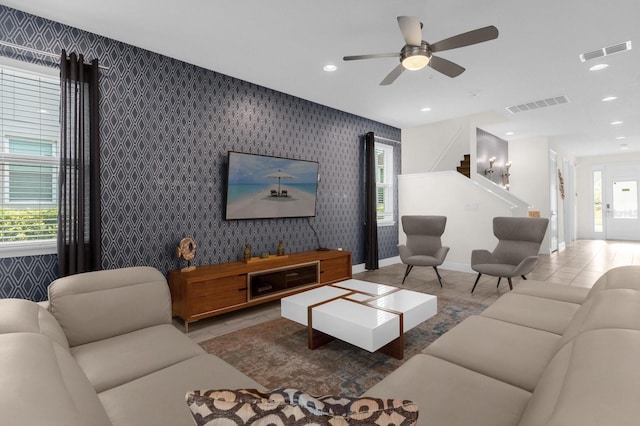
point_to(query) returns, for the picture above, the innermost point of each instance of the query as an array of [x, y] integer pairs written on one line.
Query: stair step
[[465, 166]]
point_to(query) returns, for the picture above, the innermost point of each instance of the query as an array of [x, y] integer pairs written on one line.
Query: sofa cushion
[[531, 311], [447, 394], [560, 292], [19, 315], [622, 277], [98, 305], [112, 362], [497, 349], [593, 380], [290, 406], [41, 384], [616, 308], [157, 399]]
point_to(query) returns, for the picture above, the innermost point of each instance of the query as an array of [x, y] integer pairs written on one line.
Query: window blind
[[384, 181], [29, 152]]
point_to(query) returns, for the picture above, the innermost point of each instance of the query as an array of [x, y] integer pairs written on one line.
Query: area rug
[[275, 353]]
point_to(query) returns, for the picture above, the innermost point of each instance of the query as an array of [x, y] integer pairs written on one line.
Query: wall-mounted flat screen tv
[[265, 187]]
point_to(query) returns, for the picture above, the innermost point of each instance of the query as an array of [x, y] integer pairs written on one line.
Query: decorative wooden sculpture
[[187, 251]]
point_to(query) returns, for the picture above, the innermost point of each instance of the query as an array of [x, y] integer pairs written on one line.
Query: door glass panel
[[597, 201], [625, 199]]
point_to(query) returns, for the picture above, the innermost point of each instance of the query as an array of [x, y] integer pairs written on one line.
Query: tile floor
[[580, 264]]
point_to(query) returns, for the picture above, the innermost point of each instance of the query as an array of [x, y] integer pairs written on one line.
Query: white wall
[[441, 146], [530, 176], [469, 207]]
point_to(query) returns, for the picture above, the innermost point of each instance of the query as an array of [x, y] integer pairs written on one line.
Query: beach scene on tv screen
[[270, 187]]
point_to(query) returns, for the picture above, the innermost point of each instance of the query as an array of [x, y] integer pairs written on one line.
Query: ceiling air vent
[[605, 51], [543, 103]]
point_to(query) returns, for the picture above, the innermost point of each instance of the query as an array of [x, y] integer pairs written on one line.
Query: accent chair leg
[[476, 283], [409, 268], [438, 274], [510, 285], [499, 278], [523, 277]]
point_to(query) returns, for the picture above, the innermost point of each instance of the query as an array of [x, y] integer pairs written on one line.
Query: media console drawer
[[218, 293], [211, 290]]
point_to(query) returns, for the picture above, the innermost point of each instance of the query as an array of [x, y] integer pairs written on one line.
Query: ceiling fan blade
[[391, 77], [445, 66], [411, 30], [466, 39], [375, 55]]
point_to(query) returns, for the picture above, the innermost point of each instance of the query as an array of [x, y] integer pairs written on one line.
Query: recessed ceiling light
[[598, 67], [624, 146], [621, 137], [614, 123], [609, 98], [329, 68], [425, 109], [510, 133]]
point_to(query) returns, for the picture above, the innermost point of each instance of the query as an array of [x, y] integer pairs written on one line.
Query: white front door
[[621, 202]]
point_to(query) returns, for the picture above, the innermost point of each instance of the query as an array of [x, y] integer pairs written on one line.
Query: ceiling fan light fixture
[[415, 62], [414, 58]]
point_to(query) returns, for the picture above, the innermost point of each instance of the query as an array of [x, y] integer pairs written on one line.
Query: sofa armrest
[[19, 315], [97, 305], [43, 385]]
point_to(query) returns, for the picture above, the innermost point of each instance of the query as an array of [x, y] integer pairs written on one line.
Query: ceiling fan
[[417, 53]]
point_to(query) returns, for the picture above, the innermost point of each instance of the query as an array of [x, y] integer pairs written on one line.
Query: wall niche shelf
[[212, 290]]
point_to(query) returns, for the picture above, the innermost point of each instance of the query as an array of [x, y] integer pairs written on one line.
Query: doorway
[[621, 202], [553, 202]]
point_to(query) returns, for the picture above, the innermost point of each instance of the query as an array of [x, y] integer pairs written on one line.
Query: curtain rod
[[385, 139], [40, 52]]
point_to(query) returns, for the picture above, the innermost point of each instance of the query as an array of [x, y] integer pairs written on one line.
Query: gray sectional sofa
[[105, 353], [543, 354]]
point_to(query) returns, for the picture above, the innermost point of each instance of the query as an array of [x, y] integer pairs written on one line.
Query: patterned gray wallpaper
[[166, 127]]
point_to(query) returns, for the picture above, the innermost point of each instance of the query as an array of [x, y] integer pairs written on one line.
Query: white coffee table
[[371, 316]]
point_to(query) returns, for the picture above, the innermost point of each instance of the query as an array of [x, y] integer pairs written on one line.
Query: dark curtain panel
[[371, 215], [79, 232]]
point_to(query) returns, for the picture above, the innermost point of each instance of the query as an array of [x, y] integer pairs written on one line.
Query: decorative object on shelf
[[489, 171], [186, 250], [280, 251], [270, 257], [561, 184], [247, 252], [264, 255], [506, 174]]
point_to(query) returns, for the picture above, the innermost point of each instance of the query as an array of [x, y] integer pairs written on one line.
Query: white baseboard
[[458, 267], [381, 262]]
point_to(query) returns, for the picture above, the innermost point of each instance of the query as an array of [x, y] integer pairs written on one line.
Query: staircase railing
[[446, 149]]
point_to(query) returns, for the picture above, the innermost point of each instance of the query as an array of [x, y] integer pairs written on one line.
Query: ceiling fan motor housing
[[415, 57]]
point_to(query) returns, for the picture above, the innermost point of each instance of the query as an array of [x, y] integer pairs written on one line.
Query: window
[[597, 201], [29, 153], [384, 183]]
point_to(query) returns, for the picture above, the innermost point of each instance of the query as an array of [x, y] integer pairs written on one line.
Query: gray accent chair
[[424, 246], [519, 240]]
